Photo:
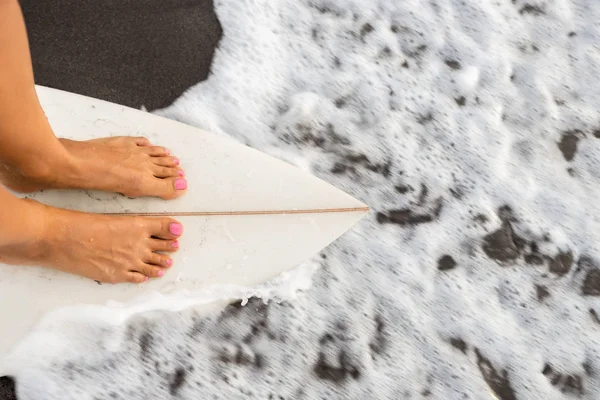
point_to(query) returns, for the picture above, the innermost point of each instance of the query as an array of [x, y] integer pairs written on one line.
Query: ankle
[[48, 168], [25, 230]]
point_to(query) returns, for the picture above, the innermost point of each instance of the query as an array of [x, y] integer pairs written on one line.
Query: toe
[[165, 228], [167, 188], [158, 260], [164, 172], [168, 161], [164, 245], [141, 141], [135, 277], [180, 184], [151, 271], [170, 188], [157, 151]]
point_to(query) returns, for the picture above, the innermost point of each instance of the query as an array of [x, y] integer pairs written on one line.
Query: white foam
[[324, 84]]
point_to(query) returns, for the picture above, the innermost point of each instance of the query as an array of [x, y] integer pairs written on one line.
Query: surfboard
[[248, 216]]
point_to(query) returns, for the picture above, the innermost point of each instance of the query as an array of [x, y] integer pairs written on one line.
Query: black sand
[[7, 388], [131, 52]]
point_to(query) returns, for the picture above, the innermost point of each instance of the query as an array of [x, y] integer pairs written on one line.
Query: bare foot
[[104, 248], [127, 165]]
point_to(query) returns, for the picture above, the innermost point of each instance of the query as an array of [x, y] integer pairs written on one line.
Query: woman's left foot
[[126, 165]]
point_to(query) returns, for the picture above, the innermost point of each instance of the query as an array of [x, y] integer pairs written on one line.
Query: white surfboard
[[248, 217]]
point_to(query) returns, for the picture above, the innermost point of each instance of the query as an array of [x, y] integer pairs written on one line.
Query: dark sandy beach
[[7, 388], [132, 52]]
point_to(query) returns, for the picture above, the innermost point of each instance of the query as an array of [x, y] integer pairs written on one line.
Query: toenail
[[169, 262], [167, 151], [175, 229], [180, 173], [175, 244], [180, 184], [176, 161], [160, 273], [145, 278]]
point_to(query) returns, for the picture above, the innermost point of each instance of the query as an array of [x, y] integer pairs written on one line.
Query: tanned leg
[[32, 157], [104, 248]]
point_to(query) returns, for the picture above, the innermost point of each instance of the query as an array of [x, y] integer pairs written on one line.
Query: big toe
[[169, 188], [165, 228]]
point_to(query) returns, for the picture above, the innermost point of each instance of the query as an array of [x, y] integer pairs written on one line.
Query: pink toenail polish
[[175, 244], [180, 184], [169, 262], [167, 151], [176, 161], [160, 273], [175, 229], [180, 173], [145, 278]]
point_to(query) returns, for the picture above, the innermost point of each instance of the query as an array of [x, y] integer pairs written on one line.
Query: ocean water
[[472, 129]]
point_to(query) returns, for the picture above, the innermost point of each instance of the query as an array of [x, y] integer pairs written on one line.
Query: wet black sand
[[131, 52], [7, 388]]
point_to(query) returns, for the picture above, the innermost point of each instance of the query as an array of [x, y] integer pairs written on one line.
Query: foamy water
[[473, 131]]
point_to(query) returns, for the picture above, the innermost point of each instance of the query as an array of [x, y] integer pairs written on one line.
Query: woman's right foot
[[123, 164], [108, 249]]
